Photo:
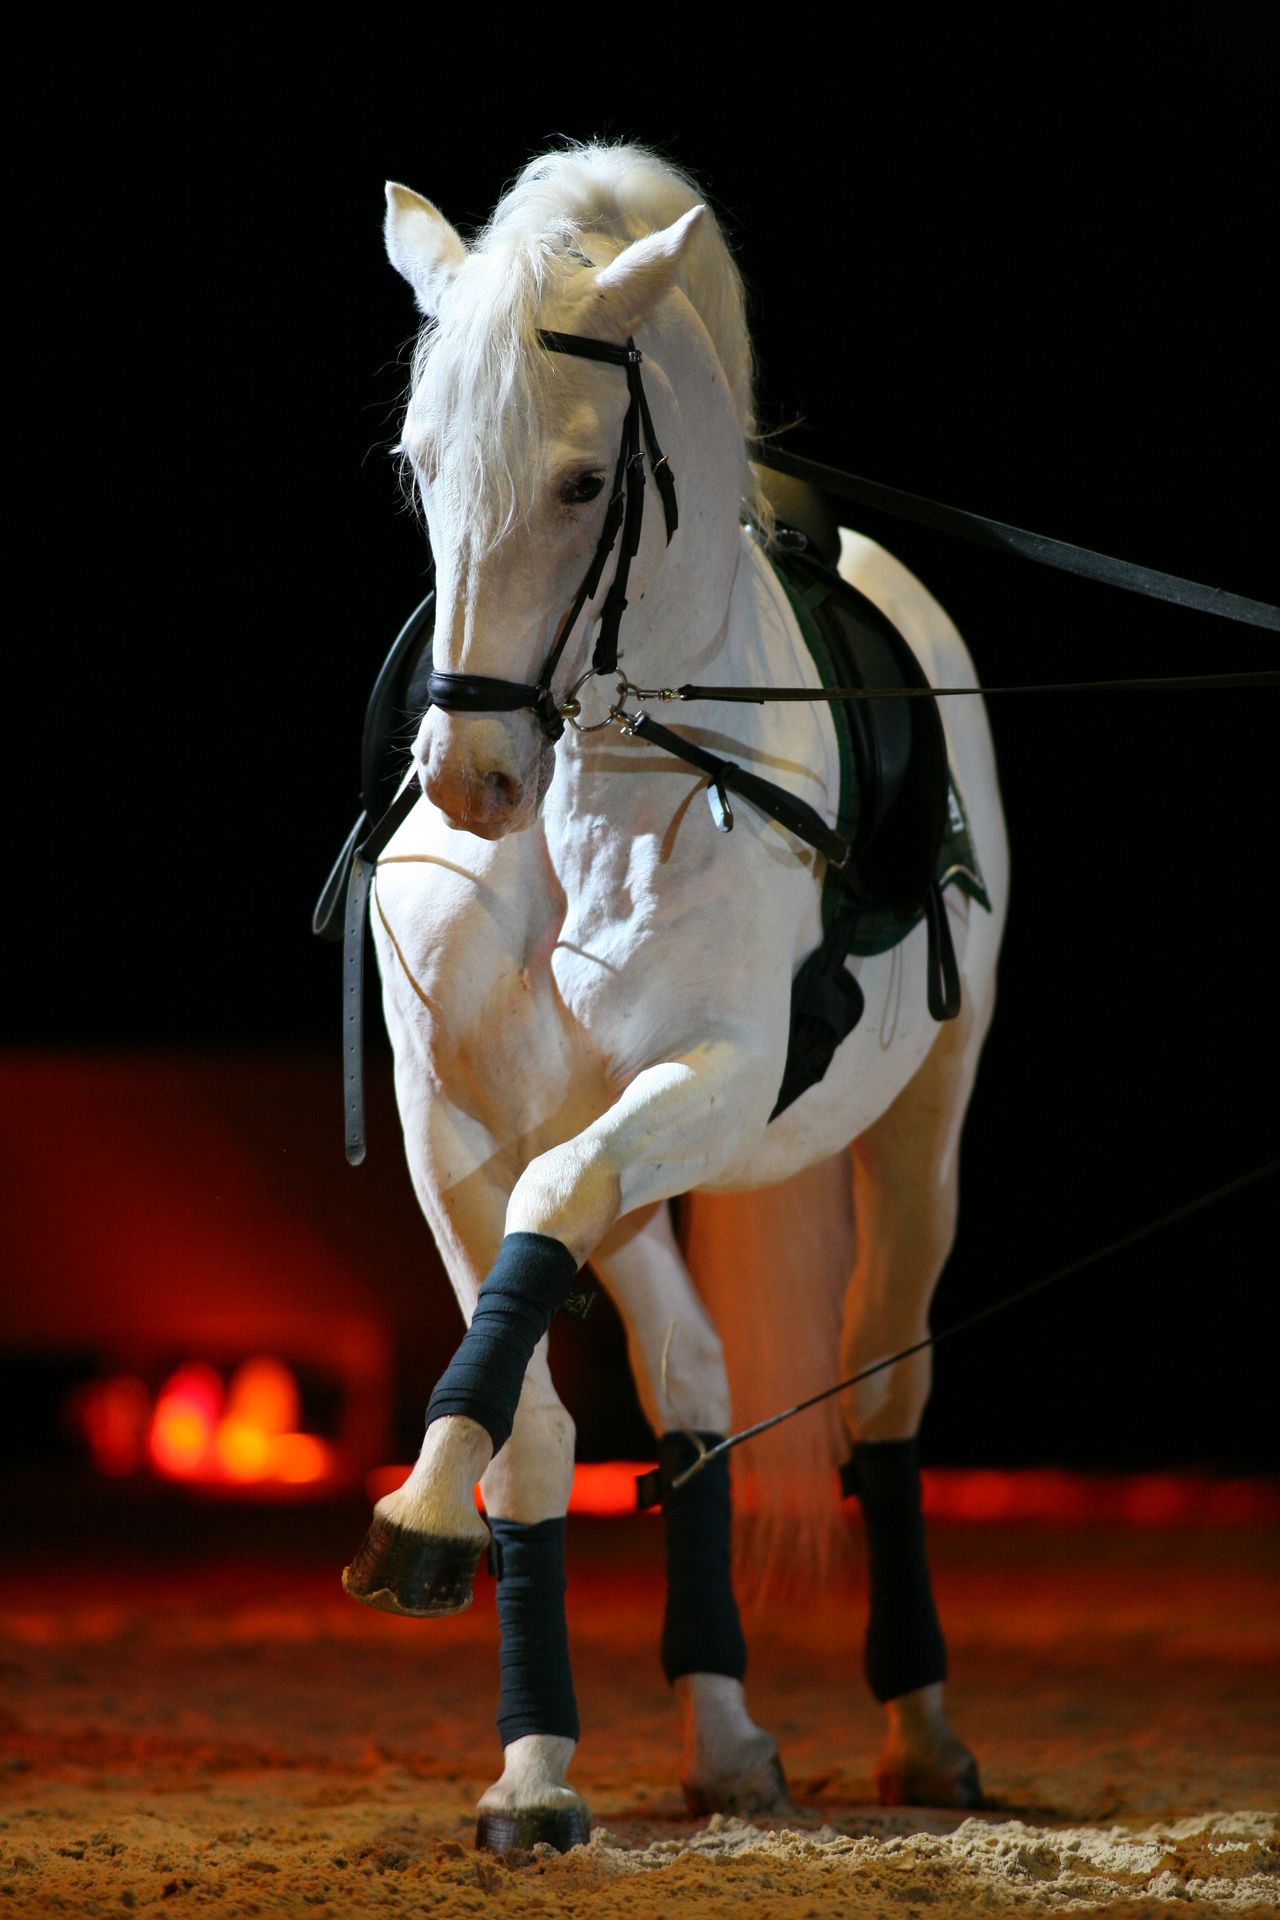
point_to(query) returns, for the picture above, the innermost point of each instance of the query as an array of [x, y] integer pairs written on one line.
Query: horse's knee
[[693, 1386], [570, 1193]]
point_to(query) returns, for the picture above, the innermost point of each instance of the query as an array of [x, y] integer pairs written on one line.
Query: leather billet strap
[[479, 693], [360, 878]]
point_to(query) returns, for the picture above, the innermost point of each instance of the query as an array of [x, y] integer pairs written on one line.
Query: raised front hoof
[[558, 1827], [924, 1785], [762, 1789], [419, 1575]]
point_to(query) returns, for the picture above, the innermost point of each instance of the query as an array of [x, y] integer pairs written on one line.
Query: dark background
[[1024, 275]]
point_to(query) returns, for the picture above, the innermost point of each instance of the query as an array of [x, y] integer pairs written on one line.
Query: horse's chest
[[465, 935], [649, 948]]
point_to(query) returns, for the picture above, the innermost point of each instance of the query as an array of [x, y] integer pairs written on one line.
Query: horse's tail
[[772, 1266]]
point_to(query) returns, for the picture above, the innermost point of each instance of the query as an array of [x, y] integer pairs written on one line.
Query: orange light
[[299, 1458], [244, 1436], [242, 1450], [264, 1394], [185, 1421], [606, 1487]]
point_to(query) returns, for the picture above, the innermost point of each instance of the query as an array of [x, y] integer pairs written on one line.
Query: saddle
[[897, 810]]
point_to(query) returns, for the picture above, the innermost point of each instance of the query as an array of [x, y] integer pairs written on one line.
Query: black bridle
[[478, 692]]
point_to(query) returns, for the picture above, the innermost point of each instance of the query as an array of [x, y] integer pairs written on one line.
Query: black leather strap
[[582, 346], [463, 691], [1185, 682], [363, 863], [353, 1006], [997, 534], [796, 815], [625, 511], [477, 693], [944, 973]]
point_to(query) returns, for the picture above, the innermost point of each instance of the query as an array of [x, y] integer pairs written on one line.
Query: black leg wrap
[[905, 1648], [532, 1276], [701, 1632], [536, 1694]]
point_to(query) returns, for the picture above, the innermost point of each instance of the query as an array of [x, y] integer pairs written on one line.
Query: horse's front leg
[[421, 1552], [675, 1125], [728, 1763]]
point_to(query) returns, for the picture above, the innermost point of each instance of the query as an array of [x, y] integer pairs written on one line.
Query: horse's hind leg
[[905, 1187], [728, 1764]]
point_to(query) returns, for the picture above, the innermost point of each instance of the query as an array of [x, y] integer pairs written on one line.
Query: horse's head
[[515, 451]]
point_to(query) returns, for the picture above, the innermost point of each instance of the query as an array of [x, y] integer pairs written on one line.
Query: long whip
[[984, 1313]]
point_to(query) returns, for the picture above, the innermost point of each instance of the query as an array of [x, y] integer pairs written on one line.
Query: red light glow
[[185, 1423], [607, 1489], [203, 1432], [114, 1415]]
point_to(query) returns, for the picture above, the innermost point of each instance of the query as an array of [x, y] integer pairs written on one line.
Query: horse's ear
[[634, 282], [421, 246]]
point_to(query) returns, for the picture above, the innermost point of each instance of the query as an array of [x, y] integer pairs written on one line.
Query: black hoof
[[931, 1787], [763, 1790], [421, 1575], [558, 1827]]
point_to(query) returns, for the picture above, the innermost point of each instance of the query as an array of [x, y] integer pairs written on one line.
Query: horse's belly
[[870, 1068]]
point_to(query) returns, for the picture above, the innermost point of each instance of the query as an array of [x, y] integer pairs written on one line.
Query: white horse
[[587, 986]]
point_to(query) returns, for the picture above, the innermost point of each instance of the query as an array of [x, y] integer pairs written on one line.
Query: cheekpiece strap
[[625, 511]]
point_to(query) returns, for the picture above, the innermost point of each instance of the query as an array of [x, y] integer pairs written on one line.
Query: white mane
[[481, 363]]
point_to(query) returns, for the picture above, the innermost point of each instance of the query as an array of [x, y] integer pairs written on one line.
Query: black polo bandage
[[536, 1693], [532, 1276], [904, 1647], [701, 1632]]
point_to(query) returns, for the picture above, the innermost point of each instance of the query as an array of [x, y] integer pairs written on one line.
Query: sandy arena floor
[[235, 1737]]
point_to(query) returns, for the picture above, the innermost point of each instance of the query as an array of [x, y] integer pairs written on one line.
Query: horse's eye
[[583, 487]]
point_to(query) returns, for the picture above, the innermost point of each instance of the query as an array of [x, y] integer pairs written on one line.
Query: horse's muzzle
[[487, 804]]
